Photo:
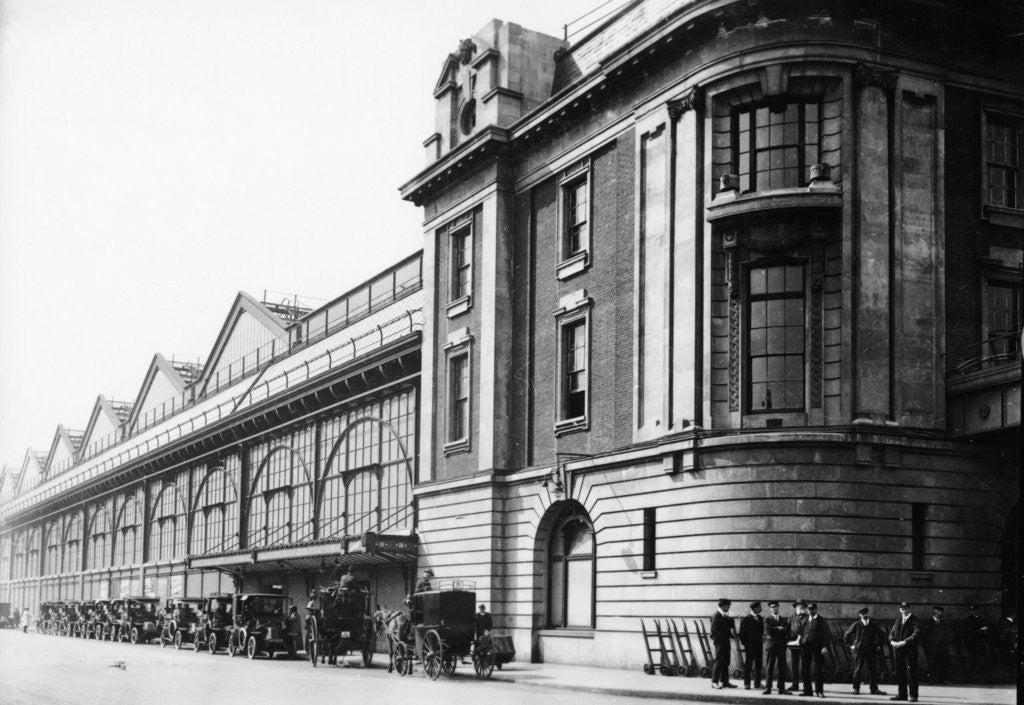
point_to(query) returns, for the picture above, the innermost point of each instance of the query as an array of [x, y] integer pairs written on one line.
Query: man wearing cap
[[976, 636], [751, 634], [935, 637], [903, 636], [424, 584], [865, 639], [813, 639], [776, 634], [722, 630], [796, 627]]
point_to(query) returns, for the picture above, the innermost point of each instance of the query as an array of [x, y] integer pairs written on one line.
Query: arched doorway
[[566, 548]]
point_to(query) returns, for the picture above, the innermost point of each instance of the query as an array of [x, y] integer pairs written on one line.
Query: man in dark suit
[[751, 634], [722, 630], [935, 637], [903, 636], [976, 641], [813, 638], [796, 627], [482, 623], [864, 638], [776, 634]]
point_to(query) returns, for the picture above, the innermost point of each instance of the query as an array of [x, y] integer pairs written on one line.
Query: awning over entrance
[[370, 548]]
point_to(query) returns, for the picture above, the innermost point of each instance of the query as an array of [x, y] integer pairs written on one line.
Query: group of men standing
[[805, 634]]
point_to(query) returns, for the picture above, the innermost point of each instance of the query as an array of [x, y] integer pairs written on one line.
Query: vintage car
[[140, 621], [260, 625], [86, 618], [49, 617], [6, 622], [71, 618], [181, 614], [214, 625], [115, 620]]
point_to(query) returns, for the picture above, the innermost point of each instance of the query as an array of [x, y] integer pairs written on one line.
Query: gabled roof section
[[161, 384], [8, 482], [448, 73], [249, 324], [31, 473], [63, 451], [106, 418]]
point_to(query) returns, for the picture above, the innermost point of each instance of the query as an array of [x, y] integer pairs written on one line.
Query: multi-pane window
[[650, 537], [571, 573], [458, 397], [576, 216], [1004, 317], [461, 271], [5, 558], [775, 146], [127, 535], [214, 522], [72, 560], [20, 545], [51, 557], [99, 535], [775, 351], [574, 378], [1003, 163], [280, 504], [167, 526], [32, 555]]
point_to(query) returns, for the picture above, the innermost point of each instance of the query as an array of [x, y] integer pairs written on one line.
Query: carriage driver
[[347, 581], [424, 584]]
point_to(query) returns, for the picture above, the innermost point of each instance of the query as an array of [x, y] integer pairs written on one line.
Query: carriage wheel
[[211, 643], [483, 664], [250, 647], [402, 660], [177, 640], [311, 640], [433, 654], [311, 651], [133, 637], [197, 641]]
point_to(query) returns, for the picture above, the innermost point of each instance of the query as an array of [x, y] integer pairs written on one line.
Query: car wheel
[[211, 643], [133, 637], [250, 647], [177, 640]]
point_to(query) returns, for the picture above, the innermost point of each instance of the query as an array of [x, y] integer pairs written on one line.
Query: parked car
[[260, 625]]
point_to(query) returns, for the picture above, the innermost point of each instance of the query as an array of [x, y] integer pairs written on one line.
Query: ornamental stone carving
[[876, 77], [688, 101]]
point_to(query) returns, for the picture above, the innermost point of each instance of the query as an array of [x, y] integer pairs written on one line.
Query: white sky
[[158, 157]]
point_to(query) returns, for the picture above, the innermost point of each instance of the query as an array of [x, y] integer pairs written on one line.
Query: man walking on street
[[903, 636], [776, 634], [813, 639], [796, 627], [722, 630], [864, 638], [751, 634]]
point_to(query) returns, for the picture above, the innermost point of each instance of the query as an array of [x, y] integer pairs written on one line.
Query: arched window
[[280, 502], [19, 556], [127, 535], [167, 529], [72, 560], [32, 556], [51, 559], [571, 572], [215, 521], [5, 558], [99, 536]]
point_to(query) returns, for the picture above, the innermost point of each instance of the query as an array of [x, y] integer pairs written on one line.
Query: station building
[[717, 298]]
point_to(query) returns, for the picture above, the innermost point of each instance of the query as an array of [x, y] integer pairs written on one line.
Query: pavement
[[694, 689]]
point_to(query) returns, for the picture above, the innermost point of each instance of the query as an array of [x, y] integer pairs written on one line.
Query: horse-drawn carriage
[[340, 624], [440, 631], [260, 625], [180, 616]]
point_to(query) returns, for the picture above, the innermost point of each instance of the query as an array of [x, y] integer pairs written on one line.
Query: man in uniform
[[813, 638], [348, 580], [864, 638], [776, 634], [424, 584], [903, 636], [751, 634], [935, 637], [722, 630], [796, 627], [294, 626]]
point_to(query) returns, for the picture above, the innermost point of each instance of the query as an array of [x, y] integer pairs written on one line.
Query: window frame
[[458, 349], [572, 261], [1006, 277], [748, 299], [558, 534], [803, 169], [573, 315], [1002, 113], [460, 259]]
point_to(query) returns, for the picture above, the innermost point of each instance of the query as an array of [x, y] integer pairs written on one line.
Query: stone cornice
[[489, 137]]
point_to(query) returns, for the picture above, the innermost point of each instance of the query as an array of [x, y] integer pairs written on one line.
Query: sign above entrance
[[372, 542]]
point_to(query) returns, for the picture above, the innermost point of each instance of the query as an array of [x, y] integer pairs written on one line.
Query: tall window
[[127, 537], [72, 561], [650, 537], [1004, 317], [574, 377], [458, 397], [20, 545], [576, 216], [51, 559], [917, 527], [280, 504], [214, 522], [1003, 163], [167, 527], [5, 558], [775, 350], [571, 573], [32, 565], [461, 270], [99, 535], [775, 146]]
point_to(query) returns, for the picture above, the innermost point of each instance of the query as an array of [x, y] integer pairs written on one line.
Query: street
[[37, 669]]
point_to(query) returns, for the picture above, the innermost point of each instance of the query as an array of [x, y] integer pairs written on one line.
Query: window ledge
[[580, 423], [648, 574], [1008, 217], [727, 204], [922, 577], [573, 265], [453, 447], [459, 306], [569, 633]]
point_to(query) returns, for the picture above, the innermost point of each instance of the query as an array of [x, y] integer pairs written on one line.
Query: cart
[[342, 624], [661, 653]]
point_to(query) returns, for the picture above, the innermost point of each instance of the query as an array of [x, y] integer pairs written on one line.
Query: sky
[[158, 157]]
